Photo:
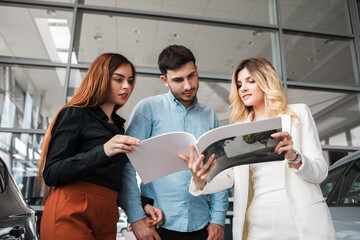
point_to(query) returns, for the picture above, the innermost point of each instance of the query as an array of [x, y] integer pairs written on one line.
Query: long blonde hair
[[265, 75]]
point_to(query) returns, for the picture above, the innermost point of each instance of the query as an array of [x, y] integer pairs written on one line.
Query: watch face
[[297, 159]]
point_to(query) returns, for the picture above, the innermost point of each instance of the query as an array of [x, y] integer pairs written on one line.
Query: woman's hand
[[155, 214], [200, 174], [120, 144], [286, 145]]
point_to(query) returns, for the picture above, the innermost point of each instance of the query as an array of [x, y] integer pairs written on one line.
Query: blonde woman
[[275, 200]]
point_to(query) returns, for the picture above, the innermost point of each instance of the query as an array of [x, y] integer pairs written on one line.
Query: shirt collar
[[174, 100], [119, 121]]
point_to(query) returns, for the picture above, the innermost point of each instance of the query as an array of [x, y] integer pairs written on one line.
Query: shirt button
[[187, 200]]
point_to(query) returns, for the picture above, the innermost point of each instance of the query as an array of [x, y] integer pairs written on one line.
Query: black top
[[76, 149]]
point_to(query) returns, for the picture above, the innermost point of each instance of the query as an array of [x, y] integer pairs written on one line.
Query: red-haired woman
[[84, 155]]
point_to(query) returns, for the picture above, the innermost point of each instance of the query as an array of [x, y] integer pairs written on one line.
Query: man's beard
[[180, 98]]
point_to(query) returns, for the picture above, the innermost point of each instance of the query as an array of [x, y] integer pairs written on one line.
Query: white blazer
[[312, 216]]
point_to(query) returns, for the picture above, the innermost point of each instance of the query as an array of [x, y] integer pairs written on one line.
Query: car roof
[[345, 159]]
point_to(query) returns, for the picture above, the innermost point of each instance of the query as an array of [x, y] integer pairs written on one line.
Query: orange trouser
[[80, 210]]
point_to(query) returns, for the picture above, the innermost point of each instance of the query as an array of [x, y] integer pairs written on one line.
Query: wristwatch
[[297, 159]]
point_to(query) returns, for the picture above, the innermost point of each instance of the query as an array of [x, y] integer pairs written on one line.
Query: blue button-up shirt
[[182, 211]]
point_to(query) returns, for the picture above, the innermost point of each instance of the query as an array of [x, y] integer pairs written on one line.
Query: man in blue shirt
[[185, 216]]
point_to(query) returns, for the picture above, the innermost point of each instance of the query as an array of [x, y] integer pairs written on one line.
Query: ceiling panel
[[230, 9], [22, 35]]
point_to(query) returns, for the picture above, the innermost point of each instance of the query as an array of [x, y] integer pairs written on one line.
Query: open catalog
[[233, 145]]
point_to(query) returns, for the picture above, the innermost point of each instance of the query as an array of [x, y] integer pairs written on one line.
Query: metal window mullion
[[30, 62], [339, 148], [324, 87], [352, 7], [281, 47], [38, 4], [22, 130], [74, 34]]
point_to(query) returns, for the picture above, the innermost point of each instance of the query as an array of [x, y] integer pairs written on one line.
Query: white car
[[122, 226], [341, 190]]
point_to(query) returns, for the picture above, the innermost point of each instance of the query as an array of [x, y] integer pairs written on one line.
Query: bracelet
[[297, 160]]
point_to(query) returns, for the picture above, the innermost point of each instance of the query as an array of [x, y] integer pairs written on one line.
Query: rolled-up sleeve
[[218, 207]]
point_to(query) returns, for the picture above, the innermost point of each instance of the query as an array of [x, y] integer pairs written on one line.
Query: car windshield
[[350, 193], [328, 184], [2, 177]]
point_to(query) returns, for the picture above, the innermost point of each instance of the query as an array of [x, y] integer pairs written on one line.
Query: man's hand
[[216, 232], [144, 230], [155, 214]]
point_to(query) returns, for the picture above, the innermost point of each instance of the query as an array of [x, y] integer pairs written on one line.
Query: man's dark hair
[[173, 57]]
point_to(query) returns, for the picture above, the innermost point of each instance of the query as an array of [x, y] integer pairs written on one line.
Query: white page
[[163, 159]]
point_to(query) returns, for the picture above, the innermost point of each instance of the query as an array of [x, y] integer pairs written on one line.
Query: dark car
[[17, 220], [341, 190]]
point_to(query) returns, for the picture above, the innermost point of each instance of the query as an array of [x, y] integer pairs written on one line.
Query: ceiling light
[[51, 12], [55, 35], [251, 43], [57, 22], [329, 41], [137, 31], [97, 38], [176, 35], [136, 41], [257, 33], [310, 59], [60, 36]]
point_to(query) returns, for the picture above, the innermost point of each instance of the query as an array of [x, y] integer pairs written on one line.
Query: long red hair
[[92, 92]]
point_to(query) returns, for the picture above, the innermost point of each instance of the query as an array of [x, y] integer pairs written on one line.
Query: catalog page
[[244, 143], [233, 145]]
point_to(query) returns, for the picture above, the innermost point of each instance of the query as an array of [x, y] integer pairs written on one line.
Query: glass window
[[355, 136], [35, 33], [336, 114], [350, 192], [320, 15], [216, 95], [211, 93], [320, 60], [23, 152], [339, 139], [217, 49], [145, 86], [259, 11], [30, 97], [332, 156]]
